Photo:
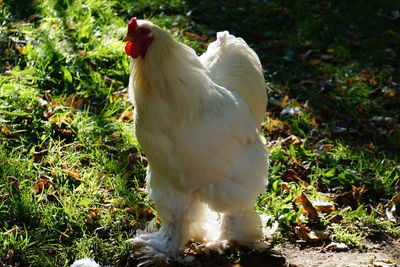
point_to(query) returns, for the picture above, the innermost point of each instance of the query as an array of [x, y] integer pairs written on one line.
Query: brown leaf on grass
[[396, 198], [116, 135], [367, 76], [38, 156], [314, 123], [352, 80], [302, 234], [284, 188], [337, 218], [273, 125], [63, 133], [93, 216], [135, 224], [297, 162], [285, 99], [48, 115], [135, 159], [19, 45], [60, 118], [326, 147], [325, 207], [110, 188], [126, 116], [16, 230], [292, 139], [42, 184], [314, 62], [291, 175], [120, 94], [6, 130], [276, 128], [85, 161], [50, 251], [21, 49], [73, 174], [195, 36], [73, 101], [81, 52], [143, 213], [63, 236], [305, 233], [94, 212], [351, 198], [130, 210], [307, 207]]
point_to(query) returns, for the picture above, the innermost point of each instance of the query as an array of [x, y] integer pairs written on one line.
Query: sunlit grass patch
[[72, 172]]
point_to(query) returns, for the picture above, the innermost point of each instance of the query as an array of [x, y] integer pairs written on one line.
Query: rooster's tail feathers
[[234, 65]]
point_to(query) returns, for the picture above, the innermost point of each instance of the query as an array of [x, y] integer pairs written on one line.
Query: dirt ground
[[384, 254]]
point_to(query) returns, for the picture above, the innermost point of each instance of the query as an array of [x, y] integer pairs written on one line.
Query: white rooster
[[197, 119]]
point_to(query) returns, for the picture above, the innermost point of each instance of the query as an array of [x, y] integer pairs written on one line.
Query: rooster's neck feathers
[[171, 74]]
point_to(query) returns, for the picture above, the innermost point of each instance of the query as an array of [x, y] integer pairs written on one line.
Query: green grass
[[72, 172]]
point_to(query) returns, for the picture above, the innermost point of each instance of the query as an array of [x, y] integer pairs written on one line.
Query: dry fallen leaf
[[314, 62], [326, 147], [352, 80], [323, 206], [302, 233], [38, 156], [351, 198], [305, 233], [294, 140], [282, 104], [126, 116], [336, 247], [291, 175], [396, 198], [196, 36], [73, 101], [116, 135], [307, 207], [6, 130], [384, 263], [73, 174], [60, 118], [49, 251], [42, 184], [133, 223], [21, 49]]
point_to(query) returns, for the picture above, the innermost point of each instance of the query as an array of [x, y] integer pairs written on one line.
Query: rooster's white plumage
[[197, 119]]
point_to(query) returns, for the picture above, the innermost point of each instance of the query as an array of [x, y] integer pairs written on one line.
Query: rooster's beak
[[127, 38]]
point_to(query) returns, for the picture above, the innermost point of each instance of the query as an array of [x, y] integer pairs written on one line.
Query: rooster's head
[[138, 39]]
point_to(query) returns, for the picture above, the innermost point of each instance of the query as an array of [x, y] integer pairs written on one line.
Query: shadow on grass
[[341, 58], [21, 9]]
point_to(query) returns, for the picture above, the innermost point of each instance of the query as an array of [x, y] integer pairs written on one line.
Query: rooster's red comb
[[132, 25]]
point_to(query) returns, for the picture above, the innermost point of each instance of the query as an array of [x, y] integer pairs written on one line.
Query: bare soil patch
[[384, 254]]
